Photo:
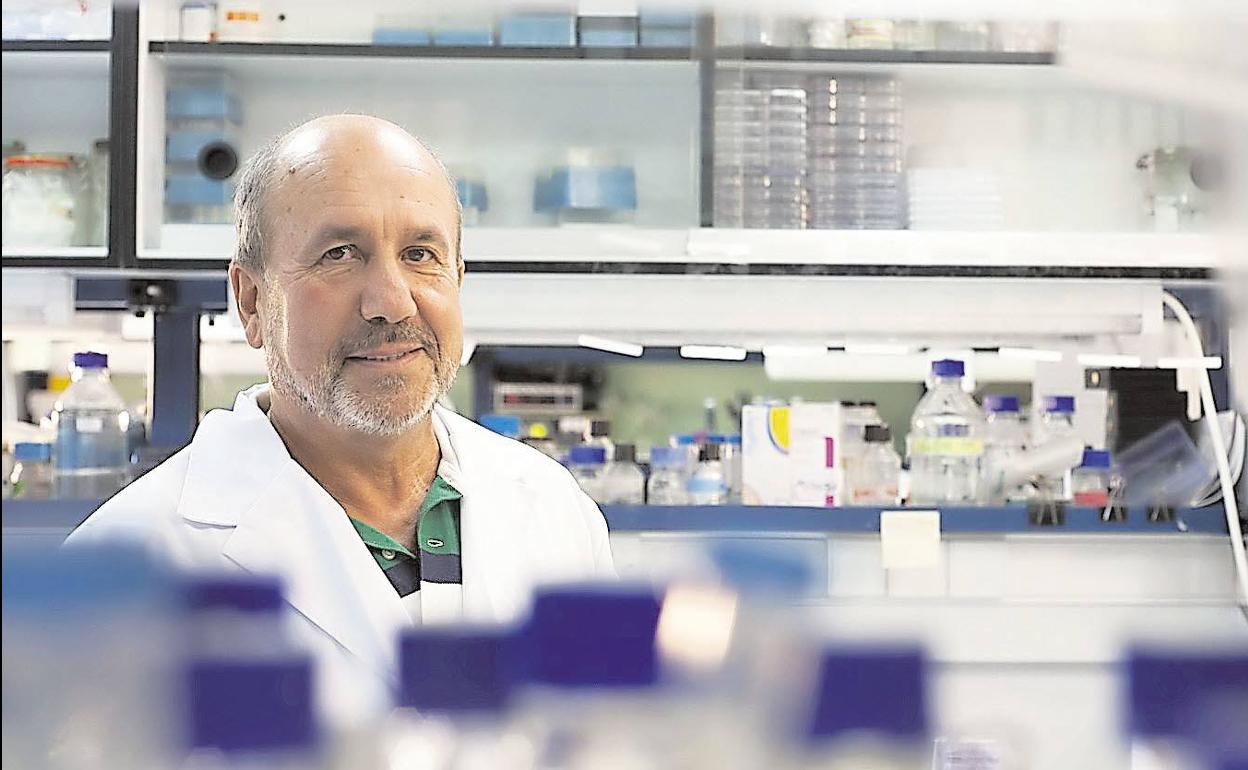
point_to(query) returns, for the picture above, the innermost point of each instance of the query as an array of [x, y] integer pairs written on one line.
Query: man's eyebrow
[[427, 235], [336, 233]]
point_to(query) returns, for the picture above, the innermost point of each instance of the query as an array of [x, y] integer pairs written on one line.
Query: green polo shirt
[[434, 569]]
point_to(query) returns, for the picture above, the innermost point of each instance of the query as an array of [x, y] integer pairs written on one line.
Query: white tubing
[[1219, 444]]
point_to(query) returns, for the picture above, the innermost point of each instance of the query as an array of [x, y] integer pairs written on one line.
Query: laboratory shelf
[[758, 53], [55, 46], [67, 514], [960, 520], [640, 53]]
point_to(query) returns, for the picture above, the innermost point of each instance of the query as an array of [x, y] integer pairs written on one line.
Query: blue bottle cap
[[245, 705], [456, 670], [1164, 687], [502, 424], [587, 455], [667, 457], [32, 452], [592, 636], [1059, 404], [90, 360], [997, 403], [1095, 458], [243, 593], [948, 368], [870, 689]]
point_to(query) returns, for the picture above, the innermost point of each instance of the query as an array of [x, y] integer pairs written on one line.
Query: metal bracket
[[1046, 513]]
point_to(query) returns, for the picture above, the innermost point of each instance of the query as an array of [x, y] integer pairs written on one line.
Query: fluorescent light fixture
[[877, 349], [713, 352], [1032, 354], [470, 347], [1208, 362], [794, 351], [610, 346], [1110, 360]]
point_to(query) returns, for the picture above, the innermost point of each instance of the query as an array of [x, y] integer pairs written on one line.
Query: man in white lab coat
[[378, 508]]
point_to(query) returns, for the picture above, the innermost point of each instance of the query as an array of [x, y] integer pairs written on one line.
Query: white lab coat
[[234, 498]]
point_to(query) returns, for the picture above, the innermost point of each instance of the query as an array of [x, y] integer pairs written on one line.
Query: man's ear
[[247, 296]]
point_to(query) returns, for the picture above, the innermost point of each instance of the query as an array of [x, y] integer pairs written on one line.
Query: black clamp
[[1046, 513]]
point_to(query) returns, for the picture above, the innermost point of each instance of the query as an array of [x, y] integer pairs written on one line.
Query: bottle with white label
[[90, 459], [945, 444]]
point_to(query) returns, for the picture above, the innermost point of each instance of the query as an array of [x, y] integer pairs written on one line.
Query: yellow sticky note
[[910, 539]]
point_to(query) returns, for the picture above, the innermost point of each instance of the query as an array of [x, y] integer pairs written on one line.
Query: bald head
[[307, 153]]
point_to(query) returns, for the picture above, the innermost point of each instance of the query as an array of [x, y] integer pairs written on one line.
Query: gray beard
[[324, 393]]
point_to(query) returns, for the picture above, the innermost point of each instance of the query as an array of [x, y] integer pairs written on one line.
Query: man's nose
[[386, 297]]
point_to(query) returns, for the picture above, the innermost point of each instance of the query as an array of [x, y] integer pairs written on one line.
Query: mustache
[[372, 336]]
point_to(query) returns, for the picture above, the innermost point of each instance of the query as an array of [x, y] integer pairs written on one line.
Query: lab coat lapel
[[240, 475], [494, 506], [297, 530]]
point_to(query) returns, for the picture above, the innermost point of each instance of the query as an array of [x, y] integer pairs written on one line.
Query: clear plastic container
[[587, 464], [43, 200], [623, 483], [1024, 36], [666, 485], [90, 457], [1004, 442], [31, 477], [1163, 468], [1057, 423], [963, 36], [1092, 481], [873, 477], [945, 445], [914, 35], [708, 484]]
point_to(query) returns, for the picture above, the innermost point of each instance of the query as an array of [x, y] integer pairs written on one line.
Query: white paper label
[[910, 539], [89, 424]]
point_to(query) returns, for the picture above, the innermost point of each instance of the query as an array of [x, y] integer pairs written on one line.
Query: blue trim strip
[[1006, 519]]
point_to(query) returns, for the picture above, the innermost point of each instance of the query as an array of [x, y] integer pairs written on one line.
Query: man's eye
[[338, 253], [418, 254]]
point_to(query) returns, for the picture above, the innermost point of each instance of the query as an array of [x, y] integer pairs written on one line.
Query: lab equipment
[[95, 224], [665, 28], [587, 464], [600, 436], [537, 29], [1163, 469], [91, 422], [869, 33], [945, 445], [590, 187], [1056, 424], [593, 667], [666, 485], [202, 119], [88, 658], [963, 36], [31, 476], [767, 475], [455, 685], [606, 28], [816, 430], [760, 151], [730, 455], [873, 478], [1179, 181], [1092, 482], [854, 168], [197, 21], [623, 483], [502, 424], [244, 21], [849, 724], [1004, 441], [43, 200], [708, 485]]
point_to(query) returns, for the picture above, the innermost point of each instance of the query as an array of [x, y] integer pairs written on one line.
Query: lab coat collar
[[241, 475]]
